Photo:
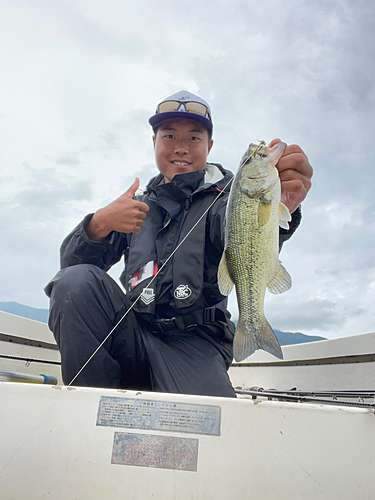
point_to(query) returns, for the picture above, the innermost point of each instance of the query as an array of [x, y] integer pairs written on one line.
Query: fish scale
[[250, 259]]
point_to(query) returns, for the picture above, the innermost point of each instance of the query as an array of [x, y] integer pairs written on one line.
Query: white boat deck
[[83, 443], [338, 364], [28, 346]]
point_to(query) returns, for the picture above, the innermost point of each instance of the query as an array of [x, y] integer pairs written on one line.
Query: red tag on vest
[[147, 271]]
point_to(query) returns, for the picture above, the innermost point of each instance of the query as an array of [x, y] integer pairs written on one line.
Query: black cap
[[181, 113]]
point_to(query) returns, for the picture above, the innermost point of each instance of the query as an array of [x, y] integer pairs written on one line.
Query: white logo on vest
[[182, 292], [147, 296]]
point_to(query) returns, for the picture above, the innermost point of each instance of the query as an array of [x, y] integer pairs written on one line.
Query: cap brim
[[160, 118]]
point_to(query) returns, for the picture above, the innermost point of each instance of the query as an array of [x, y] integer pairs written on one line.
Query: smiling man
[[177, 336], [181, 146]]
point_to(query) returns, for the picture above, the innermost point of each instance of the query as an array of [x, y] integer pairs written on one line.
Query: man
[[175, 333]]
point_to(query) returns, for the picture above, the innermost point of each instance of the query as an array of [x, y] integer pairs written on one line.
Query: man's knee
[[84, 292], [73, 280]]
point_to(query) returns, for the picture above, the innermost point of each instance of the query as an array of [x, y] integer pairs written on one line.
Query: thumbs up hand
[[124, 215]]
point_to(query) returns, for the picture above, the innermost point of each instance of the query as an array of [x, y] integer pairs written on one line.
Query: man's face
[[180, 147]]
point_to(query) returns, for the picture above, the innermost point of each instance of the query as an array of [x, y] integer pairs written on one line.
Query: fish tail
[[250, 337]]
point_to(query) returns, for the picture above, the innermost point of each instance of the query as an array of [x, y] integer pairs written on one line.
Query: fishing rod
[[316, 397]]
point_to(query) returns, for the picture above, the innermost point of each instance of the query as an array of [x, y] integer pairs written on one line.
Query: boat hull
[[77, 443]]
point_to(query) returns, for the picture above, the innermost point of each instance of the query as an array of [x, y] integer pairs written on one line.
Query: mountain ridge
[[25, 311]]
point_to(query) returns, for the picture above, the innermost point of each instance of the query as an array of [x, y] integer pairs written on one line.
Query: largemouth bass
[[250, 260]]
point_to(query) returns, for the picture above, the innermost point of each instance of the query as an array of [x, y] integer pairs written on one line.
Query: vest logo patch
[[148, 296], [182, 292]]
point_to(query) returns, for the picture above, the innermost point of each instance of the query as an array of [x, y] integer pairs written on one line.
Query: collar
[[212, 174]]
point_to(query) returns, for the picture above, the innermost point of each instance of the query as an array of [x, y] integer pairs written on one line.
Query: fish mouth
[[250, 155], [246, 160]]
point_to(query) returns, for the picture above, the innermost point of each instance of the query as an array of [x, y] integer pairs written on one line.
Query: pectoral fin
[[284, 216], [281, 281], [224, 280], [264, 211]]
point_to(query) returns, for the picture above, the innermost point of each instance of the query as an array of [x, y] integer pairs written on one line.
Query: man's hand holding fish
[[295, 174]]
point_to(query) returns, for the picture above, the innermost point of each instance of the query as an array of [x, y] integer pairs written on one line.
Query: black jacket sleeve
[[285, 234], [77, 248]]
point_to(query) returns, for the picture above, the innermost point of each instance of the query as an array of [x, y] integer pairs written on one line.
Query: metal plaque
[[162, 452], [159, 415]]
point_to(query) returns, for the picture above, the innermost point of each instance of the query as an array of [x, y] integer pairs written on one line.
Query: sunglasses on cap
[[189, 106]]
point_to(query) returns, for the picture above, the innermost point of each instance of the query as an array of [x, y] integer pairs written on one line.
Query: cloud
[[82, 78], [310, 314], [48, 193], [44, 204], [64, 160], [112, 141], [35, 216]]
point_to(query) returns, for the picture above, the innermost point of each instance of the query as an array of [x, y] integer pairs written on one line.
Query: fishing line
[[151, 281]]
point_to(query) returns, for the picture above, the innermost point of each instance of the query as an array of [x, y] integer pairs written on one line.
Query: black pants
[[86, 303]]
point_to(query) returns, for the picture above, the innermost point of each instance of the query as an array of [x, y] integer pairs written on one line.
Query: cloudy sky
[[80, 78]]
